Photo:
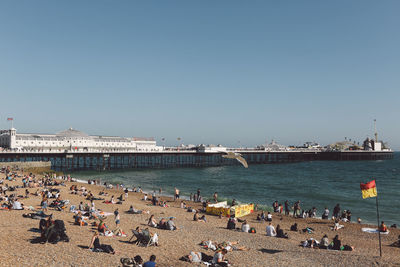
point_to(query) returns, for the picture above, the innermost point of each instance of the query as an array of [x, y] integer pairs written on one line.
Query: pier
[[102, 161]]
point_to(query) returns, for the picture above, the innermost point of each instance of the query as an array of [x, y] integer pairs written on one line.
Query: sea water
[[317, 184]]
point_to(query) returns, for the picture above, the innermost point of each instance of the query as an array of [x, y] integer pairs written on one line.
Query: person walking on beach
[[215, 197], [198, 195], [336, 211], [296, 208], [117, 217], [287, 208], [176, 194]]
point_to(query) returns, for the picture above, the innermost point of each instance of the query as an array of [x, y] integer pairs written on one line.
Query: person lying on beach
[[195, 257], [231, 246], [337, 245], [97, 247], [197, 218], [396, 243], [118, 232], [209, 244], [310, 243]]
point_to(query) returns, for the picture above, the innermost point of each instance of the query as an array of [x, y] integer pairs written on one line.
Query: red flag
[[10, 119]]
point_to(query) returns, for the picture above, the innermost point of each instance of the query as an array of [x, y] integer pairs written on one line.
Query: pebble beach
[[18, 232]]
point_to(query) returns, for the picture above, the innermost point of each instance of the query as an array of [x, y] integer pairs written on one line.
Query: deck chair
[[147, 238], [139, 237]]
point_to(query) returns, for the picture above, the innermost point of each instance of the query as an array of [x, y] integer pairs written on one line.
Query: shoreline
[[261, 207]]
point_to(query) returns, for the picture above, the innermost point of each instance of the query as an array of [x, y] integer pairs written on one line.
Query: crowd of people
[[87, 214]]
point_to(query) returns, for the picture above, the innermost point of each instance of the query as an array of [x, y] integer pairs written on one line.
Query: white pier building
[[73, 140]]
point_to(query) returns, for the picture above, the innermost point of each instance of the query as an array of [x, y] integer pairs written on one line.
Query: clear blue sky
[[206, 71]]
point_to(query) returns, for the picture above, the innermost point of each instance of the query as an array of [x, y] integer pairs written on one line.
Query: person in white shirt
[[271, 230], [245, 227]]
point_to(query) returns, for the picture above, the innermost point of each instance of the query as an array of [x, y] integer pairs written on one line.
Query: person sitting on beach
[[132, 210], [231, 222], [16, 205], [269, 217], [152, 222], [151, 262], [102, 227], [79, 219], [270, 230], [383, 228], [258, 217], [280, 233], [245, 227], [336, 243], [97, 247], [294, 227], [219, 258], [324, 244], [197, 218], [337, 226], [162, 224], [171, 224]]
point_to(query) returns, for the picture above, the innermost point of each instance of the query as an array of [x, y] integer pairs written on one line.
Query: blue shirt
[[149, 264]]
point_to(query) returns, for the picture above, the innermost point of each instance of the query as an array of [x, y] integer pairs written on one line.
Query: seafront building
[[73, 140]]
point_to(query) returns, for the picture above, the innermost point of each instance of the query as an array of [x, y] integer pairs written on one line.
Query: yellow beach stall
[[226, 210]]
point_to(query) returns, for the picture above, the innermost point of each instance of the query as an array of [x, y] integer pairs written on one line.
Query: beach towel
[[373, 231]]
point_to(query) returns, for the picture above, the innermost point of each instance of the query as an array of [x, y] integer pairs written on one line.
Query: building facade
[[73, 140]]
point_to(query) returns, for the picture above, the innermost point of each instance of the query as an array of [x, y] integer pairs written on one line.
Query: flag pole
[[379, 232]]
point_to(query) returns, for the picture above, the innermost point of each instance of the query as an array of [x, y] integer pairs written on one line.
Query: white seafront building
[[75, 141]]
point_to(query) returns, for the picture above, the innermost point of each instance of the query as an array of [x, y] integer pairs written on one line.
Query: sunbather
[[152, 222], [97, 247]]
